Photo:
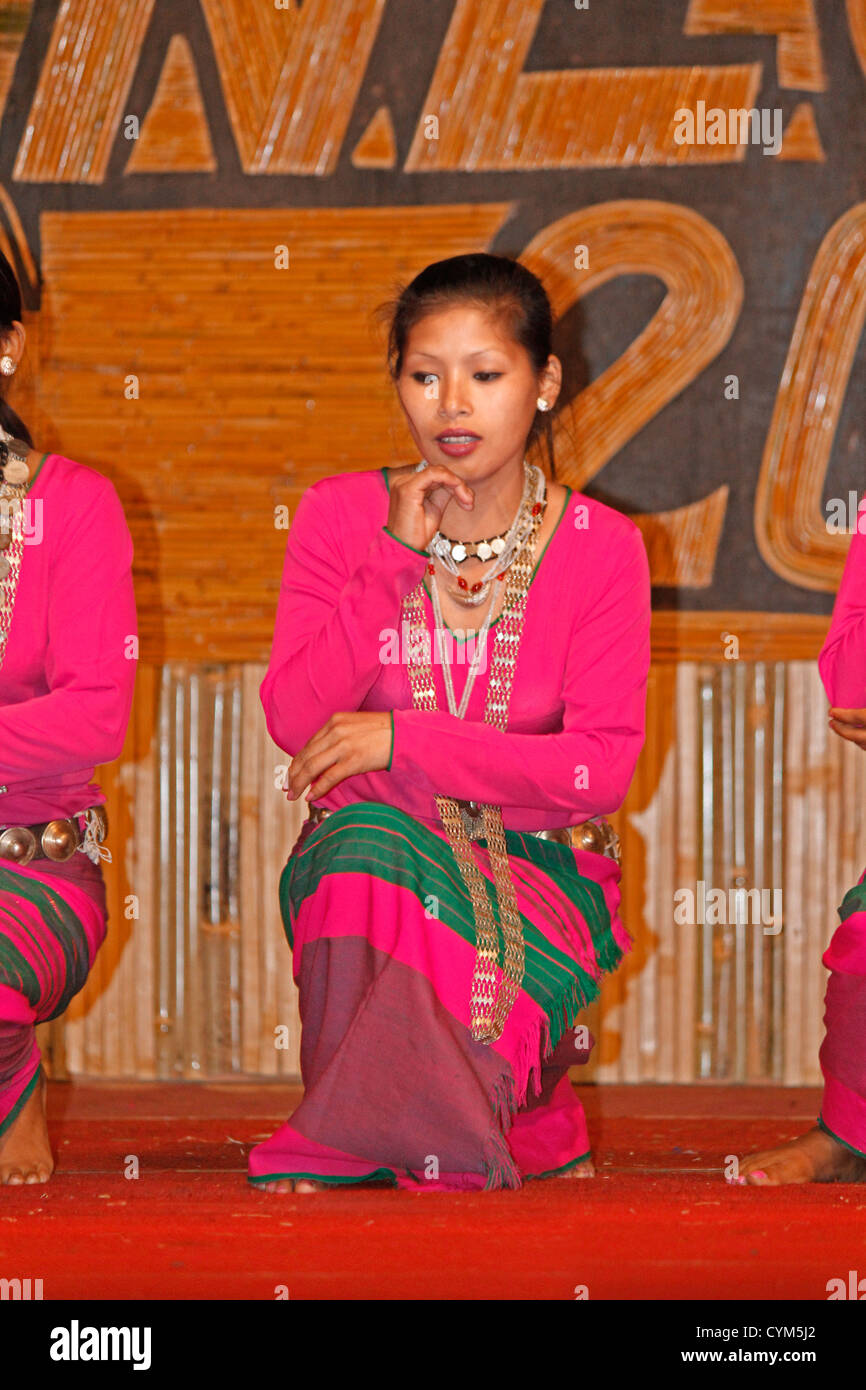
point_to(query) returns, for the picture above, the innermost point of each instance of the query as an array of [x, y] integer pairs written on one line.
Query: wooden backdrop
[[205, 203]]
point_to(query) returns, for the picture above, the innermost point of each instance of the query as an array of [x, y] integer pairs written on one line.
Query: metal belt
[[596, 835], [53, 839]]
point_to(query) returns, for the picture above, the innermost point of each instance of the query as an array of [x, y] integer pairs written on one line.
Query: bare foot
[[585, 1169], [813, 1157], [25, 1151], [283, 1185]]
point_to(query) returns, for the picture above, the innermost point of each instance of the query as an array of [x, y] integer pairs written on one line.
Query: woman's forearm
[[328, 641]]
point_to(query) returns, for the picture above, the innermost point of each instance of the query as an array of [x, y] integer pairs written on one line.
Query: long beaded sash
[[11, 551], [493, 991]]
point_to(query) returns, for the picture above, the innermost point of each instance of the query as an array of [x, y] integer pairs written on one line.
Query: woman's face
[[463, 376]]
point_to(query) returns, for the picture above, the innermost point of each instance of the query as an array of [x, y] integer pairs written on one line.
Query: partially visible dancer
[[67, 669], [835, 1150]]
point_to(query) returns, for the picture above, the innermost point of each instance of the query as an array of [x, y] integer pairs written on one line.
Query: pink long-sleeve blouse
[[577, 714], [842, 660], [67, 677]]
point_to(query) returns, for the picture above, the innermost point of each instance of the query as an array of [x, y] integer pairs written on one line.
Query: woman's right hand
[[419, 499], [849, 724]]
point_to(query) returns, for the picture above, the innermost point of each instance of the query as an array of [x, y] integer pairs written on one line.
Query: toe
[[759, 1177], [755, 1163], [288, 1185]]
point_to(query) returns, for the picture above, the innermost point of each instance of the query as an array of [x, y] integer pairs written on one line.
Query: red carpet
[[658, 1221]]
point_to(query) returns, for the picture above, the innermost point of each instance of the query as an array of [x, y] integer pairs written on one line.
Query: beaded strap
[[12, 525], [493, 991]]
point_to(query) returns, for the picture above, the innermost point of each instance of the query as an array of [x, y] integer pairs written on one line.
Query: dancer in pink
[[835, 1150], [67, 667], [452, 901]]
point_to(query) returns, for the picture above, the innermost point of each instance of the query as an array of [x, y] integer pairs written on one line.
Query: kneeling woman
[[449, 908], [67, 668]]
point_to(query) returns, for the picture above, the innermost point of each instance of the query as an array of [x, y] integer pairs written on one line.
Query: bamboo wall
[[205, 203], [740, 783]]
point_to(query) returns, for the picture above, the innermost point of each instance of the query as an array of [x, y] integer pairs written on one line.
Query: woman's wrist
[[406, 543]]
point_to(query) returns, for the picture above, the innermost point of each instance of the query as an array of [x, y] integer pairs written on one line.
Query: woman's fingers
[[351, 742], [418, 501], [303, 776], [852, 733], [332, 748], [854, 717], [316, 754], [305, 769], [327, 770], [436, 475]]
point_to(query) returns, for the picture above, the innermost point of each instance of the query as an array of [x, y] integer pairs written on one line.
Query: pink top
[[842, 660], [67, 676], [578, 702]]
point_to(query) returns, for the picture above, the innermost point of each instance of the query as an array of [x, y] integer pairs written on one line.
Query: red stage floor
[[657, 1222]]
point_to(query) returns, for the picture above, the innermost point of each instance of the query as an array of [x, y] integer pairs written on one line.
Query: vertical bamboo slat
[[250, 881], [755, 957], [666, 1029], [685, 863], [139, 858], [707, 867], [796, 879], [820, 864], [778, 826]]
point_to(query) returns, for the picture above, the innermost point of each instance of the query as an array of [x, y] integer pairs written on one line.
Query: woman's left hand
[[351, 742]]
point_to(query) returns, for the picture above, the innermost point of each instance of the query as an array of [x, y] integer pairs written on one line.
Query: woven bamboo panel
[[174, 134], [482, 111], [236, 406], [740, 784], [856, 11], [290, 76], [790, 523], [81, 96], [213, 387], [377, 147], [801, 140], [701, 307], [14, 18], [200, 980], [798, 53], [679, 635]]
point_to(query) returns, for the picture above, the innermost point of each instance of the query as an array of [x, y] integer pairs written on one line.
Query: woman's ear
[[550, 381]]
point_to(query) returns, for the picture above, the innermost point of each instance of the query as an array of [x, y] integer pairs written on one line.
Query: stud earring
[[542, 403], [7, 366]]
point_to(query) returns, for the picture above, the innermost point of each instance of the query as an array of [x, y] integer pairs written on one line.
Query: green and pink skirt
[[383, 938], [843, 1052], [52, 923]]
